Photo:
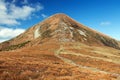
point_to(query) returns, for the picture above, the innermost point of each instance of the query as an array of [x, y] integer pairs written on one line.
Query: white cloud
[[2, 6], [39, 7], [8, 33], [105, 23], [9, 21], [20, 12], [43, 15], [10, 14]]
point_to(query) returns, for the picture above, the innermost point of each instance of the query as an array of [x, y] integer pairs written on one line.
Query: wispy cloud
[[44, 15], [10, 14], [105, 23]]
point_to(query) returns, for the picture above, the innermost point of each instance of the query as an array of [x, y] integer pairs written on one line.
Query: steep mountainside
[[59, 48], [63, 29]]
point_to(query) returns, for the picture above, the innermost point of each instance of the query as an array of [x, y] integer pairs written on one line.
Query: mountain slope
[[63, 29], [59, 48]]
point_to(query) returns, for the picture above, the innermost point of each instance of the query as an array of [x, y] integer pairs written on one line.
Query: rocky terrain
[[59, 48]]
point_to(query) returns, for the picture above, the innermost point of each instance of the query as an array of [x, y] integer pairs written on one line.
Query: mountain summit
[[59, 48], [61, 28]]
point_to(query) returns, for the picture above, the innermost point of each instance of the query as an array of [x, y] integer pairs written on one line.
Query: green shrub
[[13, 47]]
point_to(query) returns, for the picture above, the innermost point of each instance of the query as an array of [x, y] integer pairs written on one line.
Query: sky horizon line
[[18, 15]]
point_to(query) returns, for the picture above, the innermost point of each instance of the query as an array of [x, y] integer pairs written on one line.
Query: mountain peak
[[59, 15], [62, 28]]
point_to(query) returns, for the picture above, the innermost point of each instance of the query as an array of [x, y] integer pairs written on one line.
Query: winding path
[[78, 65]]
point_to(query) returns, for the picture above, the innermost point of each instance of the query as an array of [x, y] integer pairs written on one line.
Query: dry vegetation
[[59, 48], [40, 63]]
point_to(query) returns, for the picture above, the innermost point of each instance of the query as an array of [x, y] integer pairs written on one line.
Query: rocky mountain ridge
[[62, 28]]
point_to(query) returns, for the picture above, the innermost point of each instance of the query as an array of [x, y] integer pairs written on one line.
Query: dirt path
[[68, 61], [80, 54]]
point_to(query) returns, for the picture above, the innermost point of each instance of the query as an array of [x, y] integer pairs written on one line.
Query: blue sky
[[18, 15]]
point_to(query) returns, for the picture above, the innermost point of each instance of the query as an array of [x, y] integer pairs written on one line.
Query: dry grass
[[40, 63]]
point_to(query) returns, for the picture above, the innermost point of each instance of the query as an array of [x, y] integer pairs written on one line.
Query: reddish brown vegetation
[[28, 57]]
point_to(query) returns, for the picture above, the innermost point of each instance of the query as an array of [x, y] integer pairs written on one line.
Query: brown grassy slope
[[39, 60], [60, 22], [40, 63]]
